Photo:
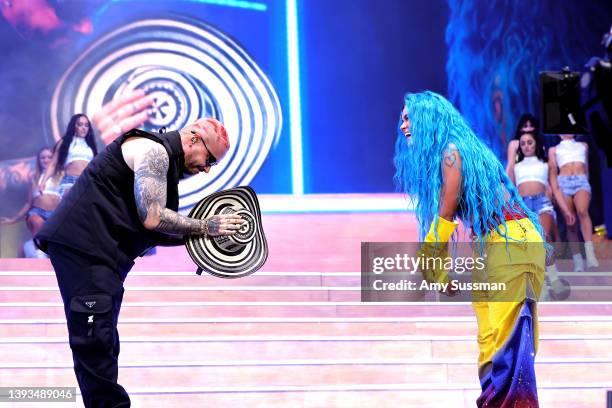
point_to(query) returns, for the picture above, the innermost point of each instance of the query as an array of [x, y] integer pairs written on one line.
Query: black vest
[[98, 216]]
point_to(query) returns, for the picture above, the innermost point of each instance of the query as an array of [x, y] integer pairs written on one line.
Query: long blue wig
[[485, 190]]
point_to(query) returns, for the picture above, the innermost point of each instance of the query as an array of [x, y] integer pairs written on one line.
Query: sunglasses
[[211, 160]]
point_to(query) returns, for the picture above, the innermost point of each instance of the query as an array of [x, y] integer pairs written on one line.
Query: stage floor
[[294, 334]]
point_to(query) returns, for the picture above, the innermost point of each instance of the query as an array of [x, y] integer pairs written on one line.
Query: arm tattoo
[[172, 222], [150, 180], [450, 159], [150, 183]]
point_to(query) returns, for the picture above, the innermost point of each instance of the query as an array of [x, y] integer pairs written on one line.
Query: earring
[[194, 138]]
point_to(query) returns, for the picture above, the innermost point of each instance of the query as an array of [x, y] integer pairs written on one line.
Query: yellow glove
[[445, 229], [437, 248]]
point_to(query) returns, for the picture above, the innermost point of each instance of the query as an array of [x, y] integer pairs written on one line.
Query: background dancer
[[527, 124], [569, 168], [40, 204], [72, 152]]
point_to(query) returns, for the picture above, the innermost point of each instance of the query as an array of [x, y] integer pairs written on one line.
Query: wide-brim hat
[[235, 255]]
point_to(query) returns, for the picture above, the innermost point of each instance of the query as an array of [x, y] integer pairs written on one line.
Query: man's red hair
[[212, 124]]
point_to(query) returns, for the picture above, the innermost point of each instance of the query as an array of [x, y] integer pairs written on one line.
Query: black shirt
[[98, 216]]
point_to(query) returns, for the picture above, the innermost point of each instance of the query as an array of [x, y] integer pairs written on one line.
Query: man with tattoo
[[124, 203]]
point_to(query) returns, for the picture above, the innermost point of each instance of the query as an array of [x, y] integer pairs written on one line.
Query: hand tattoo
[[214, 225]]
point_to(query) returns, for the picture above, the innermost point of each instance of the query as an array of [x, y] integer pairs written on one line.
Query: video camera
[[580, 102]]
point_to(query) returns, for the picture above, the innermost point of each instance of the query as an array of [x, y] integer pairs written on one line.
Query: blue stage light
[[295, 108]]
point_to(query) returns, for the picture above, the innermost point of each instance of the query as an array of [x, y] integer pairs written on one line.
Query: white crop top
[[568, 151], [531, 169], [51, 187], [79, 150]]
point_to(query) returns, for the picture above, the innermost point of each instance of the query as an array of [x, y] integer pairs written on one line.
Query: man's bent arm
[[150, 183]]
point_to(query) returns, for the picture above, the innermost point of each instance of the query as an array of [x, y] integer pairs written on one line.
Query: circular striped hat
[[229, 256]]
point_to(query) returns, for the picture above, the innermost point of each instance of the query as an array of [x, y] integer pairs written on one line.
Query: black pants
[[92, 293]]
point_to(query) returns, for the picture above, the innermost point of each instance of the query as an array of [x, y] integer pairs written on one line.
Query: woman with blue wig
[[450, 172]]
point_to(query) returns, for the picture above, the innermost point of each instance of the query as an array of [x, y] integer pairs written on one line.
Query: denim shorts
[[570, 185], [66, 184], [539, 204], [44, 214]]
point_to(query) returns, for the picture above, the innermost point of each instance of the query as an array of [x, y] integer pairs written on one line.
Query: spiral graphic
[[192, 70]]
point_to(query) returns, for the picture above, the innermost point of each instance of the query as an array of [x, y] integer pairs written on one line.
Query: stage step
[[32, 278], [266, 372], [239, 294], [41, 286], [349, 396], [31, 350], [44, 310], [187, 279], [289, 326], [187, 294]]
